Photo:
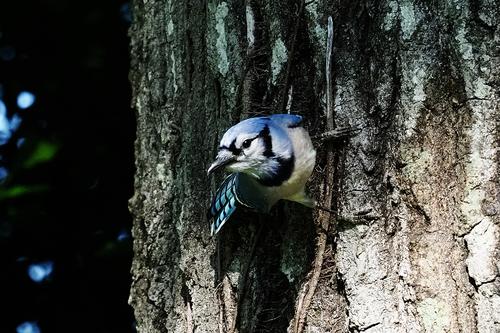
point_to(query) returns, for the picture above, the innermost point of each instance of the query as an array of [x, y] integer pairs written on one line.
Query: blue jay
[[270, 158]]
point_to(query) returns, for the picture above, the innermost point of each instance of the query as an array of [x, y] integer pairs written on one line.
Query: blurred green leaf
[[43, 152], [20, 190]]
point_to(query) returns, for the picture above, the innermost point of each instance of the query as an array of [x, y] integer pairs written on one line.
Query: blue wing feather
[[238, 189], [224, 203]]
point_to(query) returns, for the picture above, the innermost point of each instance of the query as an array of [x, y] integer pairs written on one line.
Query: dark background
[[66, 171]]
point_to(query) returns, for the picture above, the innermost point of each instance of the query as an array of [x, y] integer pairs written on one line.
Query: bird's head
[[253, 146]]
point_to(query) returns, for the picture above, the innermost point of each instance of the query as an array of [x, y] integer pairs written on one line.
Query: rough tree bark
[[414, 246]]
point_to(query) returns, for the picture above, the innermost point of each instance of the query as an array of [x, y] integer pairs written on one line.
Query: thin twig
[[330, 123]]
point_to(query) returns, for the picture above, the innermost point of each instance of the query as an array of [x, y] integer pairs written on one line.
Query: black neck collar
[[285, 169]]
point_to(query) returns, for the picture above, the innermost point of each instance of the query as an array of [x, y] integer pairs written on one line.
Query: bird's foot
[[331, 211], [356, 218], [337, 134]]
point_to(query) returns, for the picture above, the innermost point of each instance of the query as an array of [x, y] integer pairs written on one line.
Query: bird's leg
[[338, 133], [326, 209], [356, 218]]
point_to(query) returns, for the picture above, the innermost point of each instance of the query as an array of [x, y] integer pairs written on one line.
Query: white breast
[[305, 158]]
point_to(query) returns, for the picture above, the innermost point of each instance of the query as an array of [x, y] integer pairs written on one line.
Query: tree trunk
[[414, 245]]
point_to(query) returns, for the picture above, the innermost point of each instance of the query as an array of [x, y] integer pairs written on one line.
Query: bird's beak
[[223, 159]]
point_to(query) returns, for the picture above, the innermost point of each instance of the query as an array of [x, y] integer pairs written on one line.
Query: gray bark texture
[[414, 243]]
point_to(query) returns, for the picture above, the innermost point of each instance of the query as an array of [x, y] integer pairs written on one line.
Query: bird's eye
[[246, 143]]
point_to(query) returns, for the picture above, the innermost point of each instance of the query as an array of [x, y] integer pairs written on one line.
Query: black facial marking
[[232, 148], [268, 142], [284, 172]]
